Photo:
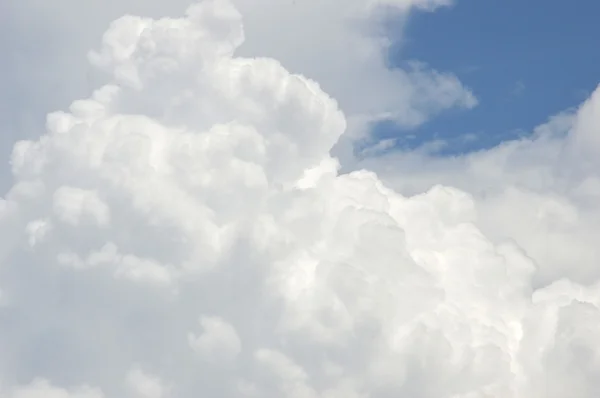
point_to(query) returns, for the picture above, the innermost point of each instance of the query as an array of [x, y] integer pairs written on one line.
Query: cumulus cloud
[[143, 385], [540, 191], [40, 388], [189, 214], [344, 50], [218, 341]]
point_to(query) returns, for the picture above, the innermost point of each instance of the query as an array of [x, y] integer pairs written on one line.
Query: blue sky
[[524, 60]]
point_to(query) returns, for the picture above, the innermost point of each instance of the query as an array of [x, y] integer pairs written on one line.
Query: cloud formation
[[541, 190], [185, 231], [344, 50]]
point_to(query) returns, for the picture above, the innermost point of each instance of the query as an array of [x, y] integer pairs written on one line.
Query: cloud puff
[[198, 186], [41, 388], [344, 50], [218, 341], [143, 385], [540, 191]]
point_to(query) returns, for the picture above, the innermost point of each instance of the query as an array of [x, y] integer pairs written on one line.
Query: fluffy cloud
[[219, 340], [185, 231], [41, 388], [540, 191], [143, 385], [344, 50]]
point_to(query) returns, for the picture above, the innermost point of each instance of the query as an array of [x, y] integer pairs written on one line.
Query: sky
[[222, 199], [524, 60]]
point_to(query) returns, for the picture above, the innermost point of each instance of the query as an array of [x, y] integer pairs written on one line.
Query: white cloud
[[143, 385], [40, 388], [201, 182], [344, 44], [73, 204], [291, 380], [36, 230], [344, 50], [539, 191], [218, 341]]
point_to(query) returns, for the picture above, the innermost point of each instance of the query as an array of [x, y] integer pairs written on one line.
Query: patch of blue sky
[[525, 60]]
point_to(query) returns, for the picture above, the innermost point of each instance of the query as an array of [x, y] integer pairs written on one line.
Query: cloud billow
[[186, 231]]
